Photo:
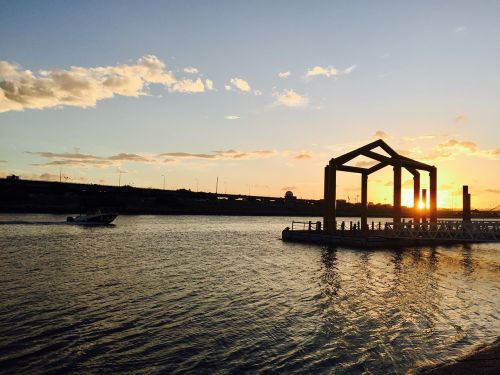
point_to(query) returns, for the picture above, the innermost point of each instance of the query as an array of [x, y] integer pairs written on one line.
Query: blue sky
[[422, 74]]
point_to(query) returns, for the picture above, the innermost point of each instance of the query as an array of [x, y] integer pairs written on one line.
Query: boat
[[93, 218]]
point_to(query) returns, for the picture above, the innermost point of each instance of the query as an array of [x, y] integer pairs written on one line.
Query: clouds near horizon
[[453, 148], [85, 160]]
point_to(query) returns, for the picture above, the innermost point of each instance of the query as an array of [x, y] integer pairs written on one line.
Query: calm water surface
[[201, 294]]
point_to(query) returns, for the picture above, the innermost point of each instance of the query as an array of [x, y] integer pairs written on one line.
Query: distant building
[[12, 177]]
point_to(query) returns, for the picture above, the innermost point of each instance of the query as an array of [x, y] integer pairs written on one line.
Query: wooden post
[[326, 197], [416, 198], [424, 202], [397, 194], [469, 207], [433, 195], [364, 202], [332, 215], [466, 215]]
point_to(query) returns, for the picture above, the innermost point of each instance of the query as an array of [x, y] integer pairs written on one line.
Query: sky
[[260, 94]]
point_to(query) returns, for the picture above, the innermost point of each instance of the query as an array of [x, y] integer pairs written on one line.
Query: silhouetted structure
[[466, 215], [395, 160], [398, 232]]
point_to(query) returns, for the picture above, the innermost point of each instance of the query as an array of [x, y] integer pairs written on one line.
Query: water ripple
[[223, 294]]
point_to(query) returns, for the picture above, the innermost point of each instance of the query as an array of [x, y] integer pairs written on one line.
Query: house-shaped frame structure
[[395, 160]]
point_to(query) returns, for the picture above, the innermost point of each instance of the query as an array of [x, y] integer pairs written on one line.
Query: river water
[[199, 294]]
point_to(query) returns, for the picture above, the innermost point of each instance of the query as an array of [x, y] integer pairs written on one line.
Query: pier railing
[[445, 230], [307, 225]]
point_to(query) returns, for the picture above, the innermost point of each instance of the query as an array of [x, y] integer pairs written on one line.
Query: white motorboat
[[94, 218]]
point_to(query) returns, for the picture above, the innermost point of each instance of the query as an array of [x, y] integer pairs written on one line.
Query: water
[[179, 294]]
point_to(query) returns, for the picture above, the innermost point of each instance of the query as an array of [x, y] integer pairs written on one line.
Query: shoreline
[[484, 359], [27, 196]]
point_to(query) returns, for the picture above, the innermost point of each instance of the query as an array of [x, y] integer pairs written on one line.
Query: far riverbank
[[24, 196]]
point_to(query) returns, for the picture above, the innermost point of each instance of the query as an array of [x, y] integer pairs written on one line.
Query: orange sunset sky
[[260, 95]]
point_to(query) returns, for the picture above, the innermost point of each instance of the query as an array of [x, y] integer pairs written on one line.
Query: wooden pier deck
[[397, 234]]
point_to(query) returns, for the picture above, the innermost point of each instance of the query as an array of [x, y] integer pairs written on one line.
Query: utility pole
[[217, 185], [60, 174], [119, 178]]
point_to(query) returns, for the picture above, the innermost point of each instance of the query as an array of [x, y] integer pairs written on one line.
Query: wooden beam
[[413, 171], [378, 157], [404, 162], [348, 168], [384, 146], [352, 154], [425, 167], [376, 167]]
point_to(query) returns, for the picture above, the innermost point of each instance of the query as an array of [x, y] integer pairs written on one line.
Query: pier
[[418, 230], [393, 234]]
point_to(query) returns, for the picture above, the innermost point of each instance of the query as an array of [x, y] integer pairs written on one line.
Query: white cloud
[[349, 70], [453, 148], [79, 159], [228, 88], [191, 70], [303, 155], [241, 84], [209, 84], [284, 74], [257, 92], [188, 86], [222, 155], [379, 134], [290, 98], [320, 71], [328, 71], [84, 87], [420, 137], [232, 117]]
